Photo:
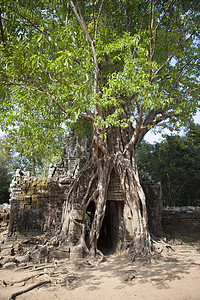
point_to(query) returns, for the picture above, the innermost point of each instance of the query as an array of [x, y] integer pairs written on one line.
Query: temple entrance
[[112, 229], [111, 234], [88, 218]]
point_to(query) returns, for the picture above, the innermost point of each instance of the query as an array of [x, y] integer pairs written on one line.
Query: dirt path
[[174, 277]]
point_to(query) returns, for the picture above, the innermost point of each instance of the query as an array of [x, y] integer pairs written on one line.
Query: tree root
[[13, 296], [24, 279], [43, 267]]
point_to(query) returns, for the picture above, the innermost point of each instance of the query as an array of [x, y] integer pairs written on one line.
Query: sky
[[152, 138]]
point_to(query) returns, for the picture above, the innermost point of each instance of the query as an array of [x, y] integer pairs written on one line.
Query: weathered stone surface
[[35, 206], [36, 203], [22, 259], [10, 259], [9, 265], [7, 250], [153, 193], [40, 254], [182, 221], [4, 216], [76, 252], [75, 153], [58, 253]]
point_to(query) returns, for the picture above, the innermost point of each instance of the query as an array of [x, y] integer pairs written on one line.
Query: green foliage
[[5, 181], [11, 160], [87, 220], [176, 163], [147, 75], [82, 128]]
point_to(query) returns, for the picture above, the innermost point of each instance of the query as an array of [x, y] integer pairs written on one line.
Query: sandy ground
[[174, 276]]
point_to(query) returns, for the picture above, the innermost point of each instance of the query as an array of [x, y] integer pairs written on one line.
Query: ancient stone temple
[[153, 193], [36, 203]]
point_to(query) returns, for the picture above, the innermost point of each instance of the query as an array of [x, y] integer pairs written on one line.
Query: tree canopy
[[176, 163], [113, 63], [125, 67], [10, 160]]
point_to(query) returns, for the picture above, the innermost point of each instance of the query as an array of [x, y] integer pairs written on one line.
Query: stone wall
[[4, 216], [74, 156], [182, 222], [36, 205], [153, 193]]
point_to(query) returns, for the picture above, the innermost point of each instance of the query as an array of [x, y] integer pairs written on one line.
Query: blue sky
[[152, 137]]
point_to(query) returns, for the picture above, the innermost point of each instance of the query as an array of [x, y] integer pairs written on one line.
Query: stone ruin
[[182, 222], [36, 209], [36, 203]]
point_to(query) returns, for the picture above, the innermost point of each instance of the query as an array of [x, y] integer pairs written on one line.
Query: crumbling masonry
[[36, 203]]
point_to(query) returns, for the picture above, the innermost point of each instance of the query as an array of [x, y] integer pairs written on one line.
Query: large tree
[[124, 66], [176, 163]]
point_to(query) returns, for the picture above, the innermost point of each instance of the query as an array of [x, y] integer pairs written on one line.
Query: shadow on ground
[[160, 272]]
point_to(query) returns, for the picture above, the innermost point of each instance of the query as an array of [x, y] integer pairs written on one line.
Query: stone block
[[9, 259], [9, 265], [39, 254], [76, 253], [58, 254], [7, 250], [22, 259]]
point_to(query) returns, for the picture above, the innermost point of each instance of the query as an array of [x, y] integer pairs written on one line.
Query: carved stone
[[153, 193], [36, 203]]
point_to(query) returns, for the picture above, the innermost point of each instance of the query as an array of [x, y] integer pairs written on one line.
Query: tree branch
[[161, 67], [100, 144], [192, 33], [93, 12], [182, 68], [142, 22], [88, 38], [98, 18], [67, 15], [156, 30], [189, 92], [35, 26], [88, 188], [190, 15], [86, 117], [141, 136], [81, 21], [190, 60], [2, 32], [175, 84], [136, 133], [151, 22], [39, 91], [152, 114]]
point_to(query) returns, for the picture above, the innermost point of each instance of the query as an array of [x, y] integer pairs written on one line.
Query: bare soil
[[175, 275]]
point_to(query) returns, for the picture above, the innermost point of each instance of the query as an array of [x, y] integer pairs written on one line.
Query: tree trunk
[[91, 186]]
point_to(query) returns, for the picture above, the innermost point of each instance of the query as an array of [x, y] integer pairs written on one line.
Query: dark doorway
[[112, 228], [88, 218]]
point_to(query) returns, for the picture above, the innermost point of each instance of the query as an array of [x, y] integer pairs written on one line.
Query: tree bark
[[92, 184]]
